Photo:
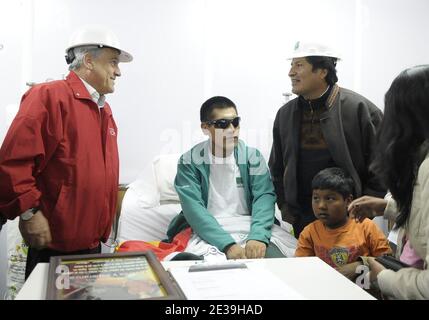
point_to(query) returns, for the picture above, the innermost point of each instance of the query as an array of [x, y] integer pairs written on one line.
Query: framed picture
[[117, 276]]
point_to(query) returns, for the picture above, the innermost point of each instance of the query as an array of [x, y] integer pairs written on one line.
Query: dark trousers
[[301, 222], [272, 252], [35, 256]]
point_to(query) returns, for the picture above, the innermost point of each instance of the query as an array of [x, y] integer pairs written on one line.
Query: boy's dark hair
[[328, 63], [217, 102], [334, 179]]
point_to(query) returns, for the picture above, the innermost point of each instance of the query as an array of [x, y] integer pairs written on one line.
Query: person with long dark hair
[[402, 163]]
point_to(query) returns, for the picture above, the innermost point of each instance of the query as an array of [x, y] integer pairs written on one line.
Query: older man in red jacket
[[59, 164]]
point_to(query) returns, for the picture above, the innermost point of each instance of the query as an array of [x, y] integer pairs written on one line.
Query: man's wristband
[[27, 215]]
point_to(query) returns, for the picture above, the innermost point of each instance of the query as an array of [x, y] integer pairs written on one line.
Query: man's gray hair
[[80, 52]]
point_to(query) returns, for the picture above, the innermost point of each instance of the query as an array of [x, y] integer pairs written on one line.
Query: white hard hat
[[306, 49], [98, 36]]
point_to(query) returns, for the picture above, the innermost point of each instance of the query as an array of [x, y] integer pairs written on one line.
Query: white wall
[[394, 38], [15, 23], [189, 50]]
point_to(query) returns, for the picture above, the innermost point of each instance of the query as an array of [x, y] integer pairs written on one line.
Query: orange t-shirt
[[343, 245]]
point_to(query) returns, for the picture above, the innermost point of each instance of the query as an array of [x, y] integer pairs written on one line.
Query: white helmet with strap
[[307, 49], [96, 36]]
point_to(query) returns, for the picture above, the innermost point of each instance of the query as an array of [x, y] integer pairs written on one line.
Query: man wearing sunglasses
[[325, 126], [226, 193]]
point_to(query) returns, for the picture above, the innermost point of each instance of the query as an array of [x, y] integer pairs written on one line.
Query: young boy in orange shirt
[[334, 238]]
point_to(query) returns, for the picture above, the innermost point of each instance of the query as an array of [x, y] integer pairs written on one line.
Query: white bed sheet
[[138, 222]]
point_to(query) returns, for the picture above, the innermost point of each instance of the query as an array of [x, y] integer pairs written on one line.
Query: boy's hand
[[235, 252], [349, 270], [366, 207], [255, 249]]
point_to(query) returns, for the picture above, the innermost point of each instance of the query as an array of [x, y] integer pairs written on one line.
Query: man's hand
[[286, 215], [366, 207], [36, 232], [235, 252], [349, 270], [255, 249]]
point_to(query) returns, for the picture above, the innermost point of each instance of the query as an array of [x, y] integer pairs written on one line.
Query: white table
[[309, 276]]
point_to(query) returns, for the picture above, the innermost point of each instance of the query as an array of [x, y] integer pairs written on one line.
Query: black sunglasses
[[224, 123]]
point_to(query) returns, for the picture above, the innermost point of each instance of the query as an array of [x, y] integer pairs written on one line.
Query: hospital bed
[[151, 202]]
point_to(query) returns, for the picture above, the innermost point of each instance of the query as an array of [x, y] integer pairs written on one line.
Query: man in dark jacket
[[325, 126]]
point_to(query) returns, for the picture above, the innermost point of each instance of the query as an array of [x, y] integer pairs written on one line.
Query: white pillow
[[147, 224], [145, 188], [165, 169]]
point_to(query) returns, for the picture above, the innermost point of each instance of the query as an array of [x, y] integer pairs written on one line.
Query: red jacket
[[61, 154]]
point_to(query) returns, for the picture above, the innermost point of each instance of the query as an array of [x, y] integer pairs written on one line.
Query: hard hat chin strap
[[70, 56]]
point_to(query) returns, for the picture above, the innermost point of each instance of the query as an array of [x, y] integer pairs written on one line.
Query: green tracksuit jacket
[[192, 185]]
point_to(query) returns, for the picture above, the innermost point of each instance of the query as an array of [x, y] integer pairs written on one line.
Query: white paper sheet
[[251, 283]]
